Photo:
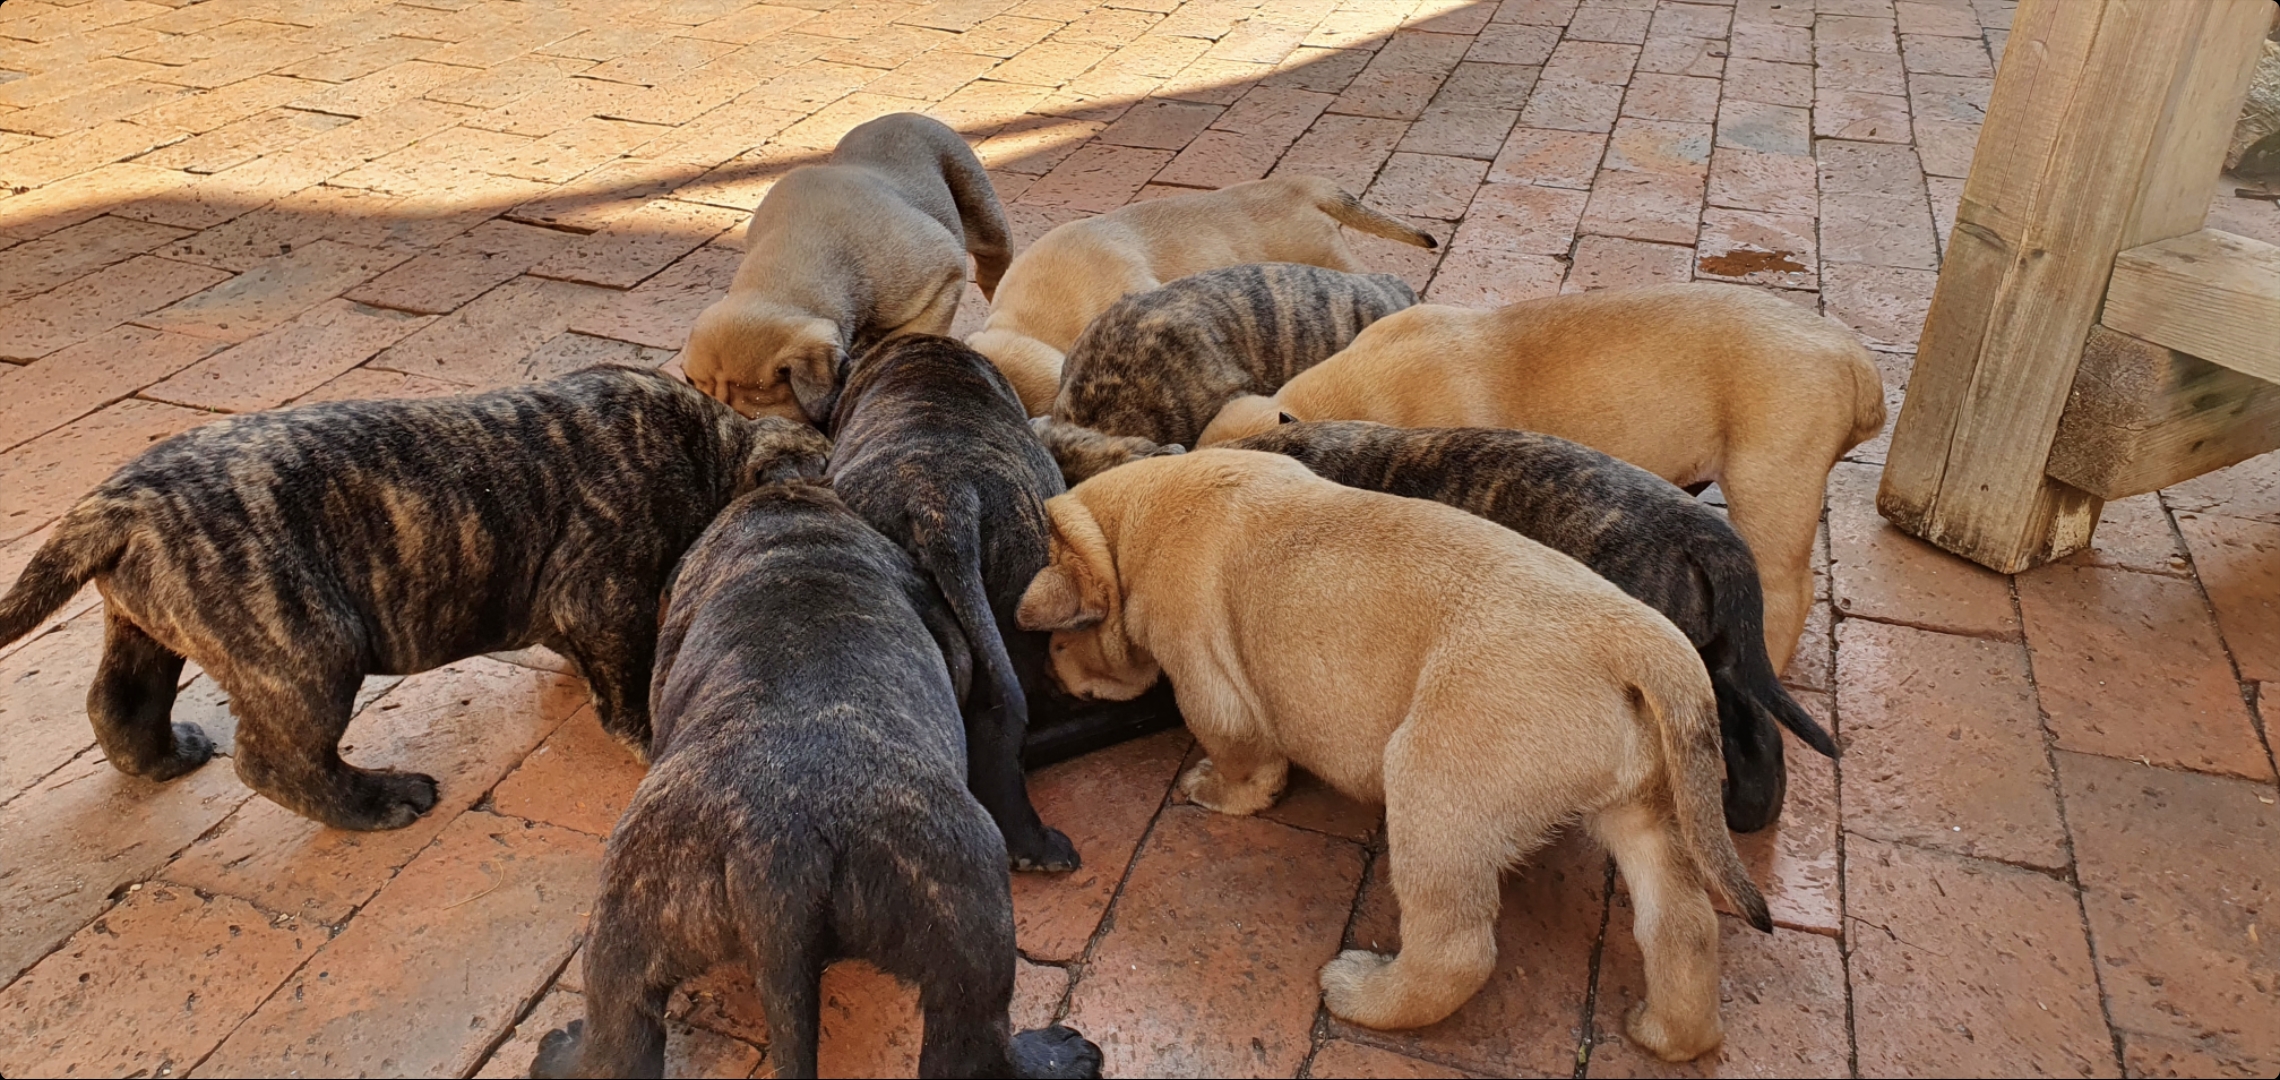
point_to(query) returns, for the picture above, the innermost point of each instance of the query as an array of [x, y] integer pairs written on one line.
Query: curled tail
[[1735, 653], [87, 542], [1349, 211], [1686, 718]]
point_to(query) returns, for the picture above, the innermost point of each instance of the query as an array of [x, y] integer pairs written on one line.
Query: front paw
[[1206, 786], [1055, 1053], [1053, 854]]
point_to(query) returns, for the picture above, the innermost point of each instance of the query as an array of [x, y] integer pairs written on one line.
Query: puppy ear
[[1055, 601], [814, 373]]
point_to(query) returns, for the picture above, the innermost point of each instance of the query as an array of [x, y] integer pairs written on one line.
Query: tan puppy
[[1077, 270], [1694, 383], [846, 254], [1486, 688]]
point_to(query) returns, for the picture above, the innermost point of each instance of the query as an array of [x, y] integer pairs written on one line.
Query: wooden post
[[2105, 131]]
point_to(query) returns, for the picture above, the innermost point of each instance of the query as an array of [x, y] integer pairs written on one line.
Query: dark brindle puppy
[[1159, 364], [291, 553], [1636, 530], [808, 802], [932, 447]]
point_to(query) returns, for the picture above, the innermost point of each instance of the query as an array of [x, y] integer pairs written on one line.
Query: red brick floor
[[2052, 845]]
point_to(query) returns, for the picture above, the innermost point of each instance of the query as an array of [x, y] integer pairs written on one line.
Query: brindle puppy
[[1159, 364], [1636, 530], [808, 803], [934, 450], [291, 553]]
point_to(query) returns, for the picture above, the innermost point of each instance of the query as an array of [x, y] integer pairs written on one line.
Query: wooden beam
[[2142, 417], [2094, 142], [2208, 293]]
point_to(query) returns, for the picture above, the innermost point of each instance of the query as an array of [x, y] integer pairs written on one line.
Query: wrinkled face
[[1082, 665], [783, 450], [1241, 418], [1076, 598], [764, 365]]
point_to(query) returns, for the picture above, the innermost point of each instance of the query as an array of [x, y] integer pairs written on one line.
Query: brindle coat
[[1159, 364], [932, 447], [808, 802], [1636, 530], [291, 553]]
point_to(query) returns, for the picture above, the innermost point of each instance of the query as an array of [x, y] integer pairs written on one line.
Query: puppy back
[[1159, 364]]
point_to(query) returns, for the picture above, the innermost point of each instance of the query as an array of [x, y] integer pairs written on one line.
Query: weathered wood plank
[[2142, 417], [2210, 294], [2066, 176]]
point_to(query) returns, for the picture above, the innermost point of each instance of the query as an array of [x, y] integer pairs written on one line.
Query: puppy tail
[[1686, 717], [953, 557], [1736, 655], [1349, 211], [88, 541]]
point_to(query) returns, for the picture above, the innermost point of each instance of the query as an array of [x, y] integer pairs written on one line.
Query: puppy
[[1159, 364], [1693, 383], [808, 803], [1076, 271], [845, 254], [291, 553], [1484, 687], [1644, 536], [933, 450]]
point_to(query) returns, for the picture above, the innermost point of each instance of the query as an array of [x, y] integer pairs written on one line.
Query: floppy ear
[[814, 377], [1055, 601]]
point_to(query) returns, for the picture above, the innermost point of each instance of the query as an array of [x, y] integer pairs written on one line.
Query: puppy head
[[781, 451], [766, 361], [1243, 417], [1078, 599], [1083, 453]]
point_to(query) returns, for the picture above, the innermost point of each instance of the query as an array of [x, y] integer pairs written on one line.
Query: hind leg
[[288, 748], [623, 1033], [132, 700], [1677, 932], [939, 312], [1447, 853], [610, 631], [1777, 510]]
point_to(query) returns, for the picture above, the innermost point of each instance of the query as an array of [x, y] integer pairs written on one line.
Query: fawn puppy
[[844, 254], [1157, 365], [292, 552], [1073, 273], [1482, 686], [1693, 383], [1647, 538], [931, 447], [808, 802]]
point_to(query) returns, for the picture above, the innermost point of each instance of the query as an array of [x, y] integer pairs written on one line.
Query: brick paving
[[2051, 847]]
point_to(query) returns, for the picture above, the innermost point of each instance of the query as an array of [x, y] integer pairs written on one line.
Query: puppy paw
[[387, 799], [1054, 854], [1055, 1053], [1671, 1041], [192, 748], [1206, 786], [558, 1052], [1346, 983]]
